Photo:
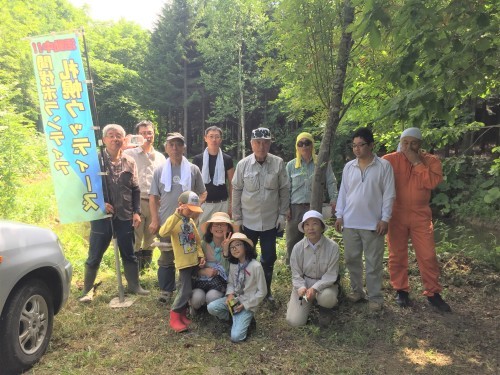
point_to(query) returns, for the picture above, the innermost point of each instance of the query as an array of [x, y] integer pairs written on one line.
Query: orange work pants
[[414, 224]]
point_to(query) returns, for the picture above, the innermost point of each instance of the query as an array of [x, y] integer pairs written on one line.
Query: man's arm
[[237, 190], [284, 189]]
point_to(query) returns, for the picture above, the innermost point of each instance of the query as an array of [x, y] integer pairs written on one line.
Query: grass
[[136, 340]]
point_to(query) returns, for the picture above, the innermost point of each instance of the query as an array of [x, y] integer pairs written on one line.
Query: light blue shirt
[[300, 181]]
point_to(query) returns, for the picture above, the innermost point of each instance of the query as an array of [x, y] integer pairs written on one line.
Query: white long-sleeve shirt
[[366, 197]]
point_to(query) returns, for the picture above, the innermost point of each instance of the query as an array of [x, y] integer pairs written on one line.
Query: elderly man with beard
[[417, 173]]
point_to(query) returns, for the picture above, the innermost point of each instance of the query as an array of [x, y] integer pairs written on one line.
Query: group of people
[[206, 217]]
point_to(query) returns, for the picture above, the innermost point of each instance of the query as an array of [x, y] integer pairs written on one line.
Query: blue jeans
[[241, 320], [100, 238]]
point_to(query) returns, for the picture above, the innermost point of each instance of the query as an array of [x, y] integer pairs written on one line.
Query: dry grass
[[136, 340]]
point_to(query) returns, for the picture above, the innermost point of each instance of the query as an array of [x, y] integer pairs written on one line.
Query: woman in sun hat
[[315, 268], [212, 279]]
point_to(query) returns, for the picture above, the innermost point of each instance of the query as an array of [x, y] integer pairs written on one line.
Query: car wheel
[[26, 325]]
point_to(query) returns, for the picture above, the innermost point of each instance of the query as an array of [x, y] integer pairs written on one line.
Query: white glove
[[280, 223]]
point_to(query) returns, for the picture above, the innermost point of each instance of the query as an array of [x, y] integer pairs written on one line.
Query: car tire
[[25, 326]]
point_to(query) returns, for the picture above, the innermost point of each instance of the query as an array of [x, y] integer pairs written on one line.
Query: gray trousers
[[357, 242], [293, 235], [185, 288]]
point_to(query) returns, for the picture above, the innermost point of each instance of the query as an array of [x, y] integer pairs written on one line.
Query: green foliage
[[22, 152], [468, 191]]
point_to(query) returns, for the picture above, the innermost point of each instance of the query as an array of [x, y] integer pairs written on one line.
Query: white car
[[35, 280]]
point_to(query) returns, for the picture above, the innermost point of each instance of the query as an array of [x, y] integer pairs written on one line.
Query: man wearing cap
[[417, 173], [363, 211], [260, 199], [147, 160], [300, 172], [169, 181], [217, 171]]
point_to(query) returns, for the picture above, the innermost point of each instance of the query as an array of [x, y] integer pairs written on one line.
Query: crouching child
[[246, 287]]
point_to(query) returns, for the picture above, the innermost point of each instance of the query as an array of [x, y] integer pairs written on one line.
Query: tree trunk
[[242, 103], [185, 108], [333, 119]]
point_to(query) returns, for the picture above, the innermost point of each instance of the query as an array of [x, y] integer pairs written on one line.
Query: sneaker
[[165, 297], [403, 299], [438, 303], [355, 297], [375, 306]]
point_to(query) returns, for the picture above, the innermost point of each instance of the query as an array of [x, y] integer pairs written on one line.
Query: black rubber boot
[[131, 271], [88, 284], [140, 260], [147, 258], [268, 275]]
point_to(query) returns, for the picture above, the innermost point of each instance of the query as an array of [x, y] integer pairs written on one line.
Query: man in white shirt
[[364, 207], [147, 160], [260, 199]]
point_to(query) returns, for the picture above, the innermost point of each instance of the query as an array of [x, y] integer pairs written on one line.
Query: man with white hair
[[122, 203], [261, 199], [416, 173]]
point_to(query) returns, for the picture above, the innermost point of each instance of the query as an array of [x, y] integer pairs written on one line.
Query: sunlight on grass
[[425, 357]]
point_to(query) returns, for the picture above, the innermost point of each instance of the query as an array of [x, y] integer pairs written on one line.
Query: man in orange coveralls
[[416, 173]]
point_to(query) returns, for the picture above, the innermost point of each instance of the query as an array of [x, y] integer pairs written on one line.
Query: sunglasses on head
[[305, 143]]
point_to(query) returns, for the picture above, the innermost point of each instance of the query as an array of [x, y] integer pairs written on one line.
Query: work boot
[[325, 316], [438, 303], [147, 258], [88, 284], [131, 271], [356, 297], [176, 322], [403, 299]]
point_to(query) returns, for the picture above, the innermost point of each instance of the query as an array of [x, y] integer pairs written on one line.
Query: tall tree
[[230, 39]]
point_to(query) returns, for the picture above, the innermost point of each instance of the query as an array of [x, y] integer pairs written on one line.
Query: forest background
[[240, 64]]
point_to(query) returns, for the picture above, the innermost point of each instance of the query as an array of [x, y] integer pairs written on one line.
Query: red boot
[[176, 322], [184, 318]]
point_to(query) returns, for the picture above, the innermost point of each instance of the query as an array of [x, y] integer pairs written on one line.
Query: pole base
[[115, 302]]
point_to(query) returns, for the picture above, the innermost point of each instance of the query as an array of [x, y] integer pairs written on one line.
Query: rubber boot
[[184, 318], [176, 323], [140, 260], [268, 275], [131, 271], [147, 258], [88, 284]]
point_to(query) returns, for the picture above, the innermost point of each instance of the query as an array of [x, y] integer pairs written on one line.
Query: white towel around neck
[[219, 173], [166, 175]]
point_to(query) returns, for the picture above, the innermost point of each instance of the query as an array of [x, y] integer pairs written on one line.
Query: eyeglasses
[[305, 143], [359, 145], [219, 224], [236, 245], [213, 136], [146, 133]]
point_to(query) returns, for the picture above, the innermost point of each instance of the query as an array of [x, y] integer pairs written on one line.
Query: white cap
[[412, 132], [311, 214]]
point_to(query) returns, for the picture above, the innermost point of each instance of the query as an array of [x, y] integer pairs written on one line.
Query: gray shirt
[[320, 266], [260, 192], [169, 201]]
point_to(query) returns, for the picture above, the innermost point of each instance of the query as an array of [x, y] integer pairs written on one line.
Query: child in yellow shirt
[[188, 254]]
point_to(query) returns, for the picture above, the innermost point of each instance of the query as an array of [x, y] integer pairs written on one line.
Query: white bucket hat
[[311, 214]]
